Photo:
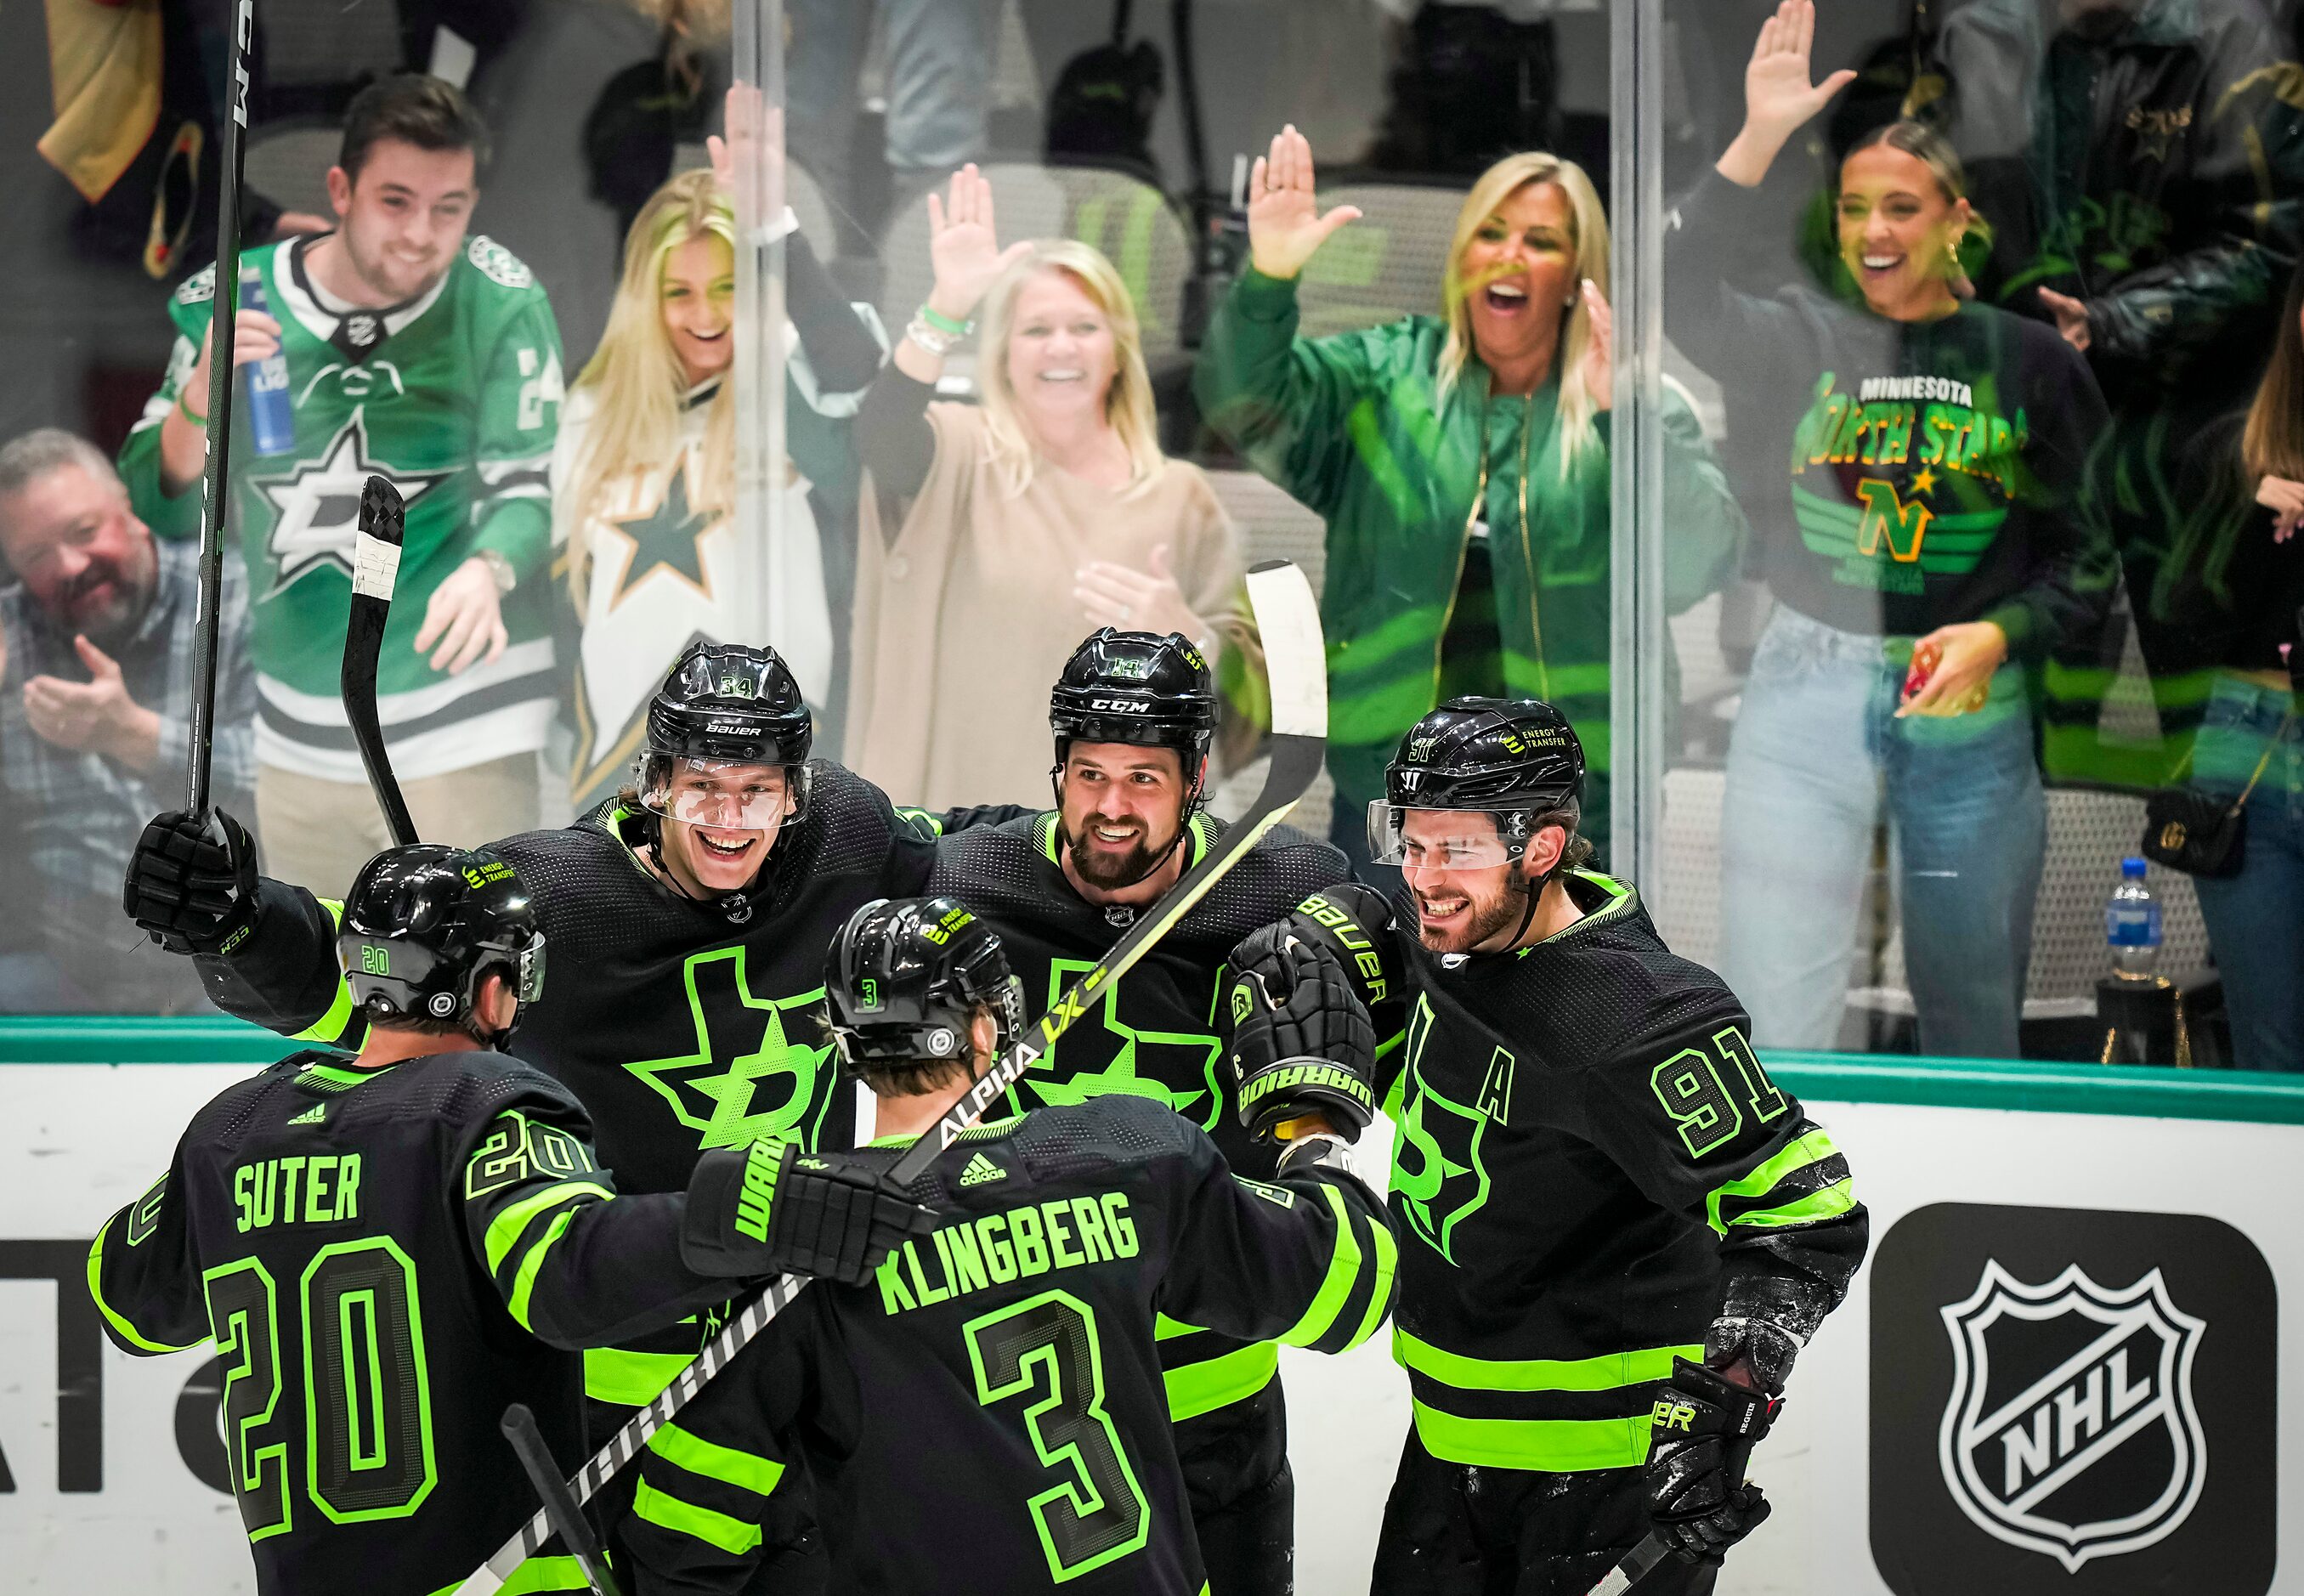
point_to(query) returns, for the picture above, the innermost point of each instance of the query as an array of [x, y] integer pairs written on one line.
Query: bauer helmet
[[1136, 687], [1517, 759], [424, 924], [723, 705], [904, 979]]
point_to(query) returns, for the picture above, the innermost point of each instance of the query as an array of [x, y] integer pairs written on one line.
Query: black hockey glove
[[770, 1209], [192, 886], [1704, 1426], [1297, 1037], [1357, 923]]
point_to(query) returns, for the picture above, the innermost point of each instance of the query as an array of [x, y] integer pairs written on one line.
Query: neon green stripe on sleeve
[[731, 1535], [1807, 1208], [1387, 1263], [746, 1471], [1343, 1270], [330, 1026], [630, 1379], [111, 1315], [1235, 1376], [523, 1282], [505, 1228], [1813, 1148]]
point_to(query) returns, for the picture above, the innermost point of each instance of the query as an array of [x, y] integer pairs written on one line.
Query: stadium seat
[[1386, 264], [287, 162]]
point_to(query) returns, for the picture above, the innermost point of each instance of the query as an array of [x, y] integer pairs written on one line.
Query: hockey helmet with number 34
[[726, 715], [425, 924], [1515, 759], [905, 977]]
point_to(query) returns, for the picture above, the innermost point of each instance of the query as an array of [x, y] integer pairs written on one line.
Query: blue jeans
[[1815, 757], [2256, 919]]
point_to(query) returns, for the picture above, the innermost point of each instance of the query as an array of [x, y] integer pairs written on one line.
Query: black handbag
[[2199, 834]]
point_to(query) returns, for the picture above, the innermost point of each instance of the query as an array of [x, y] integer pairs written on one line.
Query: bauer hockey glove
[[192, 886], [769, 1209], [1702, 1430], [1297, 1037], [1356, 925]]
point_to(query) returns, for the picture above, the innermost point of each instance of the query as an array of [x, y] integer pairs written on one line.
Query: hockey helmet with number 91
[[425, 924], [1138, 687], [905, 978], [1515, 760], [725, 710]]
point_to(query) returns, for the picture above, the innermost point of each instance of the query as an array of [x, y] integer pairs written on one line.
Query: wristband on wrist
[[946, 324], [937, 343], [196, 418]]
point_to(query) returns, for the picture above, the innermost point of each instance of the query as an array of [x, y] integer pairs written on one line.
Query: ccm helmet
[[1515, 759], [1138, 687], [424, 924], [904, 979]]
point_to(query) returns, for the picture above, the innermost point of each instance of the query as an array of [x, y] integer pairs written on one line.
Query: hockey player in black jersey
[[986, 1417], [1613, 1227], [1135, 717], [381, 1248]]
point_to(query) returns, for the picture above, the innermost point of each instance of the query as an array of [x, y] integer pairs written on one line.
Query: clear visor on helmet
[[1452, 839], [727, 796], [530, 981]]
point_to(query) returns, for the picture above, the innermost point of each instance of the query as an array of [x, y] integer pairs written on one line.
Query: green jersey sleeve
[[190, 309], [521, 392], [283, 975], [143, 1275]]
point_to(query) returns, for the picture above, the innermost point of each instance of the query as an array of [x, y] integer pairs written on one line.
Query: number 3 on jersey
[[1693, 1090], [1098, 1513]]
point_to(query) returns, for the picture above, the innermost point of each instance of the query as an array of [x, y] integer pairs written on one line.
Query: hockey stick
[[544, 1473], [1641, 1561], [375, 568], [215, 482], [1288, 617]]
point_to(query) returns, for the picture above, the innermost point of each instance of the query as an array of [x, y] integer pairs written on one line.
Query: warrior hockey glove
[[770, 1209], [1702, 1430], [192, 886], [1298, 1040]]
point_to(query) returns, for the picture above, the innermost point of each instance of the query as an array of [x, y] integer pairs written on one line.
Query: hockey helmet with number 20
[[724, 711], [1515, 759], [425, 924], [905, 978]]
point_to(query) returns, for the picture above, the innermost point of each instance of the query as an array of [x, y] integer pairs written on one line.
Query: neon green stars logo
[[749, 1073], [1102, 1053], [1437, 1167]]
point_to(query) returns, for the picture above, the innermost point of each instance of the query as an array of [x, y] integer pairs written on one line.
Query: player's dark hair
[[415, 109], [1577, 851]]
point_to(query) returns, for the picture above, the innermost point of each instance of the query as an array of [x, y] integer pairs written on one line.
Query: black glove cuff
[[723, 1230], [1270, 1097]]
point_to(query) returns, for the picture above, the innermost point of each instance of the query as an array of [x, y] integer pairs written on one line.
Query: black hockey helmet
[[727, 703], [905, 976], [1136, 687], [424, 924], [1515, 759]]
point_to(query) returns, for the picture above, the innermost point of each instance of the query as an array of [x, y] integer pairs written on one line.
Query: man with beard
[[687, 919], [96, 683], [414, 354], [1608, 1215], [1134, 715]]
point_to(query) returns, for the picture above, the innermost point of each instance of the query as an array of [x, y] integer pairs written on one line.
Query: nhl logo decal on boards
[[2024, 1436]]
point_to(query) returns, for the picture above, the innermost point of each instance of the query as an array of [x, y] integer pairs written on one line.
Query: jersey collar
[[342, 324]]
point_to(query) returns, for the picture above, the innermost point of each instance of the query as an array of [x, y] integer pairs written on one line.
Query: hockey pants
[[1450, 1529], [792, 1560], [1242, 1494]]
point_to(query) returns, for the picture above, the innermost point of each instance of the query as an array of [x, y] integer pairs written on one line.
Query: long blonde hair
[[1127, 404], [1498, 183], [635, 377]]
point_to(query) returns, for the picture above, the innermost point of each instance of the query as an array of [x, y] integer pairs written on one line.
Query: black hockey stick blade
[[1288, 617], [216, 480], [568, 1519], [375, 568]]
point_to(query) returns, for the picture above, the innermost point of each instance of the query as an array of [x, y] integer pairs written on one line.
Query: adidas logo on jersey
[[981, 1171], [316, 1114]]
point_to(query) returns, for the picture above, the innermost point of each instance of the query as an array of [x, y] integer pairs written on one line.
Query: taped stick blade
[[1295, 654], [375, 550]]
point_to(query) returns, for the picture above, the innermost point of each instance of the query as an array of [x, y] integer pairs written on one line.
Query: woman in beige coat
[[995, 536]]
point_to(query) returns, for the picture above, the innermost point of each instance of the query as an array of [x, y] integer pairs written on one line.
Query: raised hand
[[964, 246], [757, 129], [1778, 95], [1600, 353], [1285, 223]]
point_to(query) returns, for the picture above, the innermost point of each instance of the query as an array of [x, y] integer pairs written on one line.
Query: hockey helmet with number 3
[[425, 924], [905, 978], [1516, 760]]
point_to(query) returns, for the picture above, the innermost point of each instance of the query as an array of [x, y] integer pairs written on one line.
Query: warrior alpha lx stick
[[375, 568], [1288, 618]]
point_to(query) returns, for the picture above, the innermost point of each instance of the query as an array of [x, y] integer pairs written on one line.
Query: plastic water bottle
[[2131, 924], [271, 416]]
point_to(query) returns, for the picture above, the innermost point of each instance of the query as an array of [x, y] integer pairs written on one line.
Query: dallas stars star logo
[[1139, 1063], [745, 1076], [671, 535], [316, 504]]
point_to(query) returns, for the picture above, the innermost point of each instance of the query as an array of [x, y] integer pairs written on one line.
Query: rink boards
[[2064, 1367]]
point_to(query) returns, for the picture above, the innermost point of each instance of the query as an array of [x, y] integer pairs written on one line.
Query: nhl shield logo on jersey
[[2071, 1428]]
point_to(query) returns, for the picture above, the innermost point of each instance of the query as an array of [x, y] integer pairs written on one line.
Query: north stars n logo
[[2070, 1428], [316, 502], [749, 1073]]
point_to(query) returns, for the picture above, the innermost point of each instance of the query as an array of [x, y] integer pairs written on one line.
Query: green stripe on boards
[[1607, 1372], [731, 1535]]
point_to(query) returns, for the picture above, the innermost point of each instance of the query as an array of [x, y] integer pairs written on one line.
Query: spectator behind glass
[[2142, 163], [2234, 582], [644, 472], [96, 684], [429, 359], [1930, 515], [1460, 462], [1026, 522]]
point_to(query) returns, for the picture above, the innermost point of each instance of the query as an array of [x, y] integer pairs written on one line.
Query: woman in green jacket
[[1460, 462]]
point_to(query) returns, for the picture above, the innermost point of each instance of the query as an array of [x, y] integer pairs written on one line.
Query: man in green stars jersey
[[1616, 1232], [416, 355]]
